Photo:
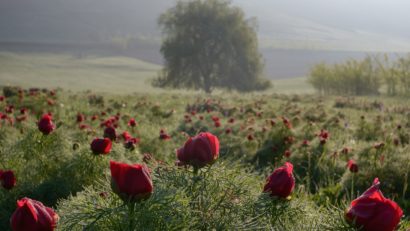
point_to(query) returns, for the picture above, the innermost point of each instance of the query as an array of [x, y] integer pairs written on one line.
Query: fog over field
[[367, 25], [294, 35]]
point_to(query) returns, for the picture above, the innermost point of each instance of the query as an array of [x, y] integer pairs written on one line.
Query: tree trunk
[[207, 84]]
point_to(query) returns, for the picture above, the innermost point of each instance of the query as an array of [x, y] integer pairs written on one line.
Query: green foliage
[[218, 198], [363, 77], [350, 78], [209, 44]]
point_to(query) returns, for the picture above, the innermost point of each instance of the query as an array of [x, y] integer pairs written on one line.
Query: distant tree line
[[363, 77]]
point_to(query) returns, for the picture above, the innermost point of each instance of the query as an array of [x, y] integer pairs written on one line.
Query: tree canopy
[[209, 44]]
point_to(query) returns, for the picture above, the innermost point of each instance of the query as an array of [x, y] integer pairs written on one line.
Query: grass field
[[118, 75], [257, 132], [102, 74]]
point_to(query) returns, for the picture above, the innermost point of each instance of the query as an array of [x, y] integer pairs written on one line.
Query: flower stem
[[131, 209], [308, 174], [352, 188]]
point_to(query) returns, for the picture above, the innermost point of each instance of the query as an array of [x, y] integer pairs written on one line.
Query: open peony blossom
[[373, 212], [32, 215]]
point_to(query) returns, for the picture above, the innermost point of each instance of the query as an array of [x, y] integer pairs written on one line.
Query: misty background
[[293, 34]]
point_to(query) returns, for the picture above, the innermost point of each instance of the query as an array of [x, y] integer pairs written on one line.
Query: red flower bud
[[131, 143], [163, 135], [345, 150], [9, 109], [110, 133], [132, 123], [199, 150], [84, 126], [126, 135], [352, 166], [101, 146], [287, 122], [50, 102], [130, 182], [373, 212], [45, 124], [287, 153], [228, 131], [305, 143], [33, 215], [23, 111], [323, 136], [7, 179], [281, 182], [80, 117], [215, 118]]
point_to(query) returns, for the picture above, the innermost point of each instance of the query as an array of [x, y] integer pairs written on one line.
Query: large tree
[[208, 44]]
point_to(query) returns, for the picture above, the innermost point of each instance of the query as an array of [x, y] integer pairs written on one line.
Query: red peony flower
[[281, 182], [23, 111], [80, 118], [126, 135], [94, 117], [7, 179], [215, 118], [45, 124], [50, 102], [109, 132], [228, 131], [84, 126], [132, 123], [9, 109], [163, 135], [323, 136], [34, 216], [305, 143], [101, 146], [199, 150], [130, 182], [217, 124], [373, 212], [287, 153], [287, 122], [131, 143], [345, 150], [352, 166]]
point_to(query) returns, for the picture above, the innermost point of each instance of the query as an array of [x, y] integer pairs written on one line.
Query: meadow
[[257, 134], [115, 74]]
